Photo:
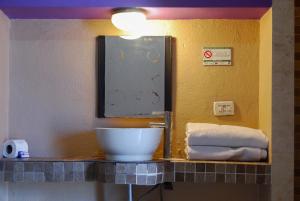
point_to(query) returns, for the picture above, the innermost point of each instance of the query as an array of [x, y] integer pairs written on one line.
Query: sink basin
[[129, 144]]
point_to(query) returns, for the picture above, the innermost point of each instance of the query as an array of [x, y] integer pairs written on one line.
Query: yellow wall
[[265, 76], [63, 46], [196, 86]]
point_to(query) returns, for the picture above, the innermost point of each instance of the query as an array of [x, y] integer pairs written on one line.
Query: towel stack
[[223, 142]]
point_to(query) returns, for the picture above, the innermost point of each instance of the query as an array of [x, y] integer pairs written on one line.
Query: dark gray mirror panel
[[134, 76]]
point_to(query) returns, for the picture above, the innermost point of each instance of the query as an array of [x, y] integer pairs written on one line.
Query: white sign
[[216, 56]]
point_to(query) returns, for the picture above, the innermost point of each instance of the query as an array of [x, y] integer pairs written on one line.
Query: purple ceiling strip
[[134, 3], [153, 13]]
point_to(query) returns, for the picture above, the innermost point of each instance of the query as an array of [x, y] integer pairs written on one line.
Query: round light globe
[[130, 20]]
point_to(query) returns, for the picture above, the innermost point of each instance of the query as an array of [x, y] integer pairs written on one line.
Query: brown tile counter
[[140, 173]]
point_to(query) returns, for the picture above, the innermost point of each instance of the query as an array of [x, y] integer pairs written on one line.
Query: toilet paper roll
[[15, 148]]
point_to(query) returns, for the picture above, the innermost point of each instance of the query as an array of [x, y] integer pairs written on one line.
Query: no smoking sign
[[217, 56], [207, 54]]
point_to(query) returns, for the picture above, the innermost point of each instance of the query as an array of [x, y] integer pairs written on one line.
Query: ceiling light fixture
[[131, 37], [129, 19]]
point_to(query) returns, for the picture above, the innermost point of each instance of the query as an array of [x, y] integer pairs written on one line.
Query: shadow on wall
[[197, 192], [83, 144], [88, 191]]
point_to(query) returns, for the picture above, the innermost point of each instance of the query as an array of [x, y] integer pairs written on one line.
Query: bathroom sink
[[129, 144]]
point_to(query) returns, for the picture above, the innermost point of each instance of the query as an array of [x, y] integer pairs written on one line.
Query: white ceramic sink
[[129, 144]]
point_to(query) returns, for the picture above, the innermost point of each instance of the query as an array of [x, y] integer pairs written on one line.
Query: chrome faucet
[[167, 125]]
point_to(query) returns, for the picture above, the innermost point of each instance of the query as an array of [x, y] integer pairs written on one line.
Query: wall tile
[[200, 167], [230, 178], [200, 178], [230, 168], [210, 178], [151, 180], [210, 167], [152, 168]]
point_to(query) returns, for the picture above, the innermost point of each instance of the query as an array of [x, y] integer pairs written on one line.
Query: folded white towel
[[225, 153], [224, 136]]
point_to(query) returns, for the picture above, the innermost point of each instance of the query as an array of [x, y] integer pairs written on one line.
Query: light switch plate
[[223, 108]]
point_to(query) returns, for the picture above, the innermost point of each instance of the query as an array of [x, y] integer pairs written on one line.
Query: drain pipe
[[130, 192]]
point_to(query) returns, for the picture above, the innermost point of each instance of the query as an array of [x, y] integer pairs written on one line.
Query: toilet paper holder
[[15, 148]]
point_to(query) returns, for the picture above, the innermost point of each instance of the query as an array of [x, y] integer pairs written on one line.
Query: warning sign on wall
[[216, 56]]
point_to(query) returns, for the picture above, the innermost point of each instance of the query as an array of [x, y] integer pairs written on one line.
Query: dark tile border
[[228, 173], [138, 173]]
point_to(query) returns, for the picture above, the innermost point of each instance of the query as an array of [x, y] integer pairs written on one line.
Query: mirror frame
[[100, 72]]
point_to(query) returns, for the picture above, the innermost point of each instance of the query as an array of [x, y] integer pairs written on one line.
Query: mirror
[[134, 76]]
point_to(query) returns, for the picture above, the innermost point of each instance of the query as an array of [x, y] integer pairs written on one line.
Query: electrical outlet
[[223, 108]]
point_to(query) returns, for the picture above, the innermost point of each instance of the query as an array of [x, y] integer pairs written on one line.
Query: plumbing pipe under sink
[[130, 197]]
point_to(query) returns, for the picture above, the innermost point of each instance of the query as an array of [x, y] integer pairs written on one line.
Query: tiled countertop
[[140, 173]]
